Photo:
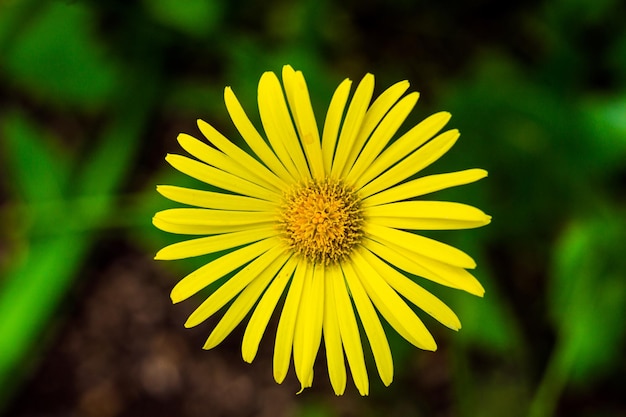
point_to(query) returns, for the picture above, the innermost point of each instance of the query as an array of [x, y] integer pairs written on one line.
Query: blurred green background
[[93, 94]]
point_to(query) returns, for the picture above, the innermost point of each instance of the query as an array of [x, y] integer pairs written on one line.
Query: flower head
[[326, 220]]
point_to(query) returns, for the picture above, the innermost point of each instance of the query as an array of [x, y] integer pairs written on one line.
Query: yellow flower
[[327, 220]]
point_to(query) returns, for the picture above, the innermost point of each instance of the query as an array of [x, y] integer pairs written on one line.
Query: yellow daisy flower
[[327, 220]]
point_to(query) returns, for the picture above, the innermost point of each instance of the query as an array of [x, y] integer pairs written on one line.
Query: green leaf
[[13, 16], [587, 296], [193, 17], [607, 125], [28, 295], [38, 171], [37, 174], [57, 57]]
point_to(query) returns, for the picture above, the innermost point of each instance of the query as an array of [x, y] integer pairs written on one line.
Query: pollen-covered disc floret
[[321, 220]]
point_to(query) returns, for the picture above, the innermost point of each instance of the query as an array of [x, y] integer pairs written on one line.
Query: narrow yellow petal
[[289, 75], [279, 127], [210, 244], [298, 338], [234, 285], [420, 245], [384, 251], [381, 136], [413, 163], [219, 178], [392, 306], [332, 335], [307, 382], [457, 276], [424, 185], [308, 332], [237, 311], [238, 154], [243, 303], [352, 123], [220, 160], [209, 217], [350, 334], [427, 215], [441, 273], [307, 126], [287, 324], [372, 118], [218, 268], [371, 324], [413, 292], [213, 200], [252, 137], [406, 144], [263, 312], [194, 229], [333, 121]]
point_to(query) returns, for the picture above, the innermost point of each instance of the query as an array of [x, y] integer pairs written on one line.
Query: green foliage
[[40, 170], [192, 17], [54, 55], [587, 296]]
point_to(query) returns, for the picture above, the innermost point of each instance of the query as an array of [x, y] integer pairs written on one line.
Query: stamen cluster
[[321, 220]]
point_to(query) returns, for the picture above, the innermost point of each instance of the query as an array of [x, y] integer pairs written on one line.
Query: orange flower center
[[321, 220]]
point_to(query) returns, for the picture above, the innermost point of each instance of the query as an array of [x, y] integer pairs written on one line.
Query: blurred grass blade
[[588, 295], [28, 296], [587, 299], [38, 174]]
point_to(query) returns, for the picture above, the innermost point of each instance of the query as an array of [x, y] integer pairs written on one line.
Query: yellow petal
[[333, 121], [194, 229], [391, 306], [424, 185], [420, 245], [209, 217], [413, 163], [213, 200], [239, 155], [263, 311], [352, 123], [243, 303], [371, 324], [382, 104], [413, 292], [306, 124], [210, 244], [252, 137], [372, 118], [381, 136], [332, 335], [219, 178], [427, 215], [218, 268], [441, 273], [308, 332], [350, 334], [406, 144], [234, 285], [279, 127], [217, 159], [287, 324]]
